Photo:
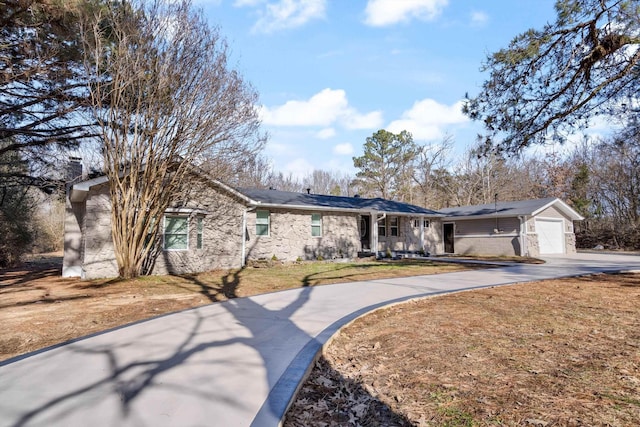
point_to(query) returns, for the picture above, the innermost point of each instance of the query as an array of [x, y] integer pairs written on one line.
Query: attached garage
[[550, 236], [521, 228]]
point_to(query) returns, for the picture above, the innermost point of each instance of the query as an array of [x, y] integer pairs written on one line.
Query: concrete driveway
[[235, 363]]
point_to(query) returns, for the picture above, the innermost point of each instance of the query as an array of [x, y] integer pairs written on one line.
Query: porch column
[[374, 232], [422, 233], [524, 250]]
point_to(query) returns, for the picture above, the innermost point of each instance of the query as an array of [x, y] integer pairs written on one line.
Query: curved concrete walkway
[[235, 363]]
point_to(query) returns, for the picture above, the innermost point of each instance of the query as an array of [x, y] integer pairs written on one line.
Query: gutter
[[365, 211]]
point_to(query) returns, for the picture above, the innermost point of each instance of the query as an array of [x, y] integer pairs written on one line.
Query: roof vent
[[308, 191]]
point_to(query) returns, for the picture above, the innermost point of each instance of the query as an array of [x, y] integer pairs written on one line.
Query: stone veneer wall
[[73, 239], [409, 236], [532, 237], [570, 243], [290, 236], [222, 234], [99, 258], [221, 237]]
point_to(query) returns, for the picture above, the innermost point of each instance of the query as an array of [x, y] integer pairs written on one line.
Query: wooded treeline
[[143, 90]]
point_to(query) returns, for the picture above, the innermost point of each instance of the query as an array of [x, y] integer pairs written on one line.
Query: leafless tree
[[165, 99], [328, 182], [615, 189], [430, 159], [248, 170], [284, 182]]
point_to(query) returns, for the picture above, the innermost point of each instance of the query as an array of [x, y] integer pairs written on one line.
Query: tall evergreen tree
[[551, 82], [385, 166], [43, 84]]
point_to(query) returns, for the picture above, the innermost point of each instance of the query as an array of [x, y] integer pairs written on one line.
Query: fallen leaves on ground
[[552, 353]]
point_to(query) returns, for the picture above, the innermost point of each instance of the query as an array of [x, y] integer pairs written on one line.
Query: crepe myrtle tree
[[165, 99], [553, 81]]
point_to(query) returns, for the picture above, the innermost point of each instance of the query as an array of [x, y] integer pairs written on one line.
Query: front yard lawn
[[38, 308]]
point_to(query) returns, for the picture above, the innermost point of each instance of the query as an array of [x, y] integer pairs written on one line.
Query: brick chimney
[[74, 169]]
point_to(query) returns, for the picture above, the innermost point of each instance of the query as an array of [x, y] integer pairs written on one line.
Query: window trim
[[268, 223], [382, 228], [318, 225], [164, 233], [199, 232], [395, 227], [425, 223]]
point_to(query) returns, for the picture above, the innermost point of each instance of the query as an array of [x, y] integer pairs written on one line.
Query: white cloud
[[323, 109], [345, 149], [380, 13], [284, 14], [326, 133], [427, 119], [479, 18], [355, 121], [277, 148]]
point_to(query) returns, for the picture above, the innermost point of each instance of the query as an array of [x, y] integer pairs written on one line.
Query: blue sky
[[330, 73]]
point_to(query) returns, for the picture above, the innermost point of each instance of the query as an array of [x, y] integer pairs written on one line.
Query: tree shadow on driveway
[[188, 358]]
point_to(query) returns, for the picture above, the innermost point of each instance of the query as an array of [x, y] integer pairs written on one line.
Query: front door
[[365, 227], [447, 235]]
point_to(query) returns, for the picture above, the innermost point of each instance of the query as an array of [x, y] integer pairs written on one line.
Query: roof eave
[[482, 216], [258, 204], [78, 192]]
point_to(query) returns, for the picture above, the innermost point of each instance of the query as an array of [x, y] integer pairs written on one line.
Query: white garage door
[[550, 236]]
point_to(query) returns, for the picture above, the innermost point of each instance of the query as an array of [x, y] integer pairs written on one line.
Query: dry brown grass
[[553, 353], [38, 308]]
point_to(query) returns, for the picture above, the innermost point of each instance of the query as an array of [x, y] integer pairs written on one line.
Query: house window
[[262, 223], [425, 223], [199, 235], [316, 225], [382, 227], [393, 226], [176, 233]]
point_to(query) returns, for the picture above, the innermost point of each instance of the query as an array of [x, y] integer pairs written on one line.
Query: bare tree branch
[[165, 101]]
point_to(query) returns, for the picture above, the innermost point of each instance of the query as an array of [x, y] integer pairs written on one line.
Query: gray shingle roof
[[521, 207], [288, 198]]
